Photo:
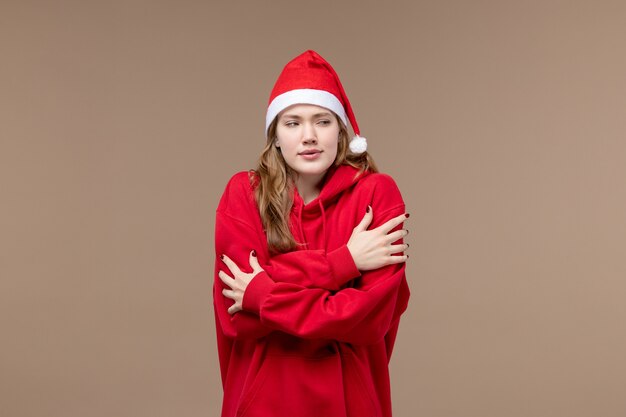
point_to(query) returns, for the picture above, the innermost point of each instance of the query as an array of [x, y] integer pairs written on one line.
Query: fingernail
[[253, 253], [407, 245], [407, 256], [222, 257], [408, 215], [368, 209]]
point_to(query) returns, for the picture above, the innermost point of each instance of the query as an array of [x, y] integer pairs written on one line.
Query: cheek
[[333, 143], [333, 155], [286, 148], [286, 138]]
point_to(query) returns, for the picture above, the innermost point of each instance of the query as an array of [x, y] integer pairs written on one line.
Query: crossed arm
[[309, 299], [369, 249]]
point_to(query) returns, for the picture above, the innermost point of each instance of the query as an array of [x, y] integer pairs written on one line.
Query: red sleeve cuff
[[256, 292], [342, 264]]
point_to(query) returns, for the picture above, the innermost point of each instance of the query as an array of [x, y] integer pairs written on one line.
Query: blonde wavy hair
[[274, 182]]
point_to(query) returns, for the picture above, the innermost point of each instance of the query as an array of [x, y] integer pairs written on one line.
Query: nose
[[309, 135]]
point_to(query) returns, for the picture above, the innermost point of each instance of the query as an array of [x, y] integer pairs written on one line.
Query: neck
[[309, 186]]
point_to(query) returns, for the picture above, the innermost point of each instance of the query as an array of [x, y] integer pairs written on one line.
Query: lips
[[310, 152]]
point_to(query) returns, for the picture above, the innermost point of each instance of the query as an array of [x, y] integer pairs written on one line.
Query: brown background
[[503, 122]]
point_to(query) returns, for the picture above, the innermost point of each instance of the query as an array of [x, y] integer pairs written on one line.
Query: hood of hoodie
[[337, 180]]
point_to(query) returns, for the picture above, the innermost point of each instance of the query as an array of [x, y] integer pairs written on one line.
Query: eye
[[291, 123], [324, 122]]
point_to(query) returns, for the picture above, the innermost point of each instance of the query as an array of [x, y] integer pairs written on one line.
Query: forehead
[[305, 110]]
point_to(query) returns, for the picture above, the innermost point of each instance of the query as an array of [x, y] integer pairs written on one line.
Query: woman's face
[[307, 136]]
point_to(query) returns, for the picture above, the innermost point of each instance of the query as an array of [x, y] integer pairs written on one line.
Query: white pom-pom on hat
[[358, 144]]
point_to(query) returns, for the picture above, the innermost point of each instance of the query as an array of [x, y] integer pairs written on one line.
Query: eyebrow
[[295, 116]]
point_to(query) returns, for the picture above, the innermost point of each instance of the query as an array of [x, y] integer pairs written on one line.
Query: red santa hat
[[310, 79]]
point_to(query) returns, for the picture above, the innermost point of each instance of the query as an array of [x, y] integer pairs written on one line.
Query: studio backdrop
[[502, 122]]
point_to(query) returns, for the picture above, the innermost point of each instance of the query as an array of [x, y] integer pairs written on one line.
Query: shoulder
[[382, 193], [379, 179], [243, 181], [381, 185], [238, 191]]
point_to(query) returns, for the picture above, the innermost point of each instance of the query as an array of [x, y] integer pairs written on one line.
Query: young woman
[[309, 275]]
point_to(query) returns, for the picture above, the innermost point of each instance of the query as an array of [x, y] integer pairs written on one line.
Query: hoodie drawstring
[[323, 222], [300, 229]]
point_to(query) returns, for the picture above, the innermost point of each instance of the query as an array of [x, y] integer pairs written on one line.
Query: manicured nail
[[408, 215], [368, 209], [253, 253], [407, 256], [407, 245], [222, 257]]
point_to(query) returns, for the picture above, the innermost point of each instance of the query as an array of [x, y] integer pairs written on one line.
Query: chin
[[313, 170]]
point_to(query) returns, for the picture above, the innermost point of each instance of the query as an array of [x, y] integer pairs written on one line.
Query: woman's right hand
[[372, 249]]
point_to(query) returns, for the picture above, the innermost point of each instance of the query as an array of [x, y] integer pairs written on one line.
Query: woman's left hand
[[238, 283]]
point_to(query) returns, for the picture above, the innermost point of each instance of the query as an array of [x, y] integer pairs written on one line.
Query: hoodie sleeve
[[361, 314], [313, 268], [236, 237], [308, 267]]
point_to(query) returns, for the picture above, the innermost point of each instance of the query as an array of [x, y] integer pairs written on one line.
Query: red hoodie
[[315, 335]]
